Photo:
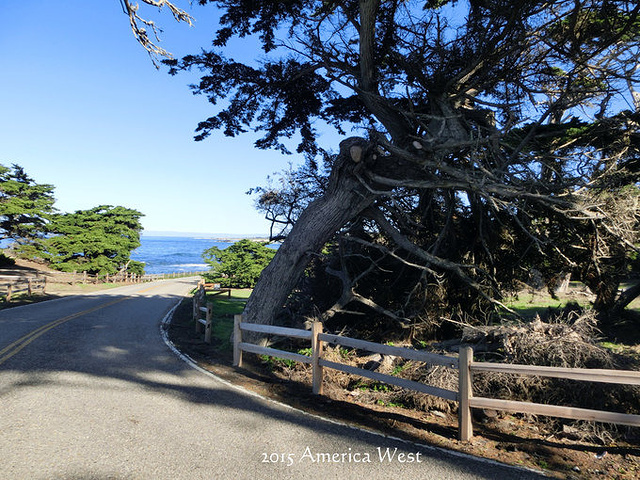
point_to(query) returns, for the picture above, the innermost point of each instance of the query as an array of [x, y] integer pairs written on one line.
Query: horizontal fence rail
[[625, 377], [318, 339], [391, 380], [405, 353], [464, 364], [16, 285], [122, 277], [282, 331], [574, 413], [15, 282]]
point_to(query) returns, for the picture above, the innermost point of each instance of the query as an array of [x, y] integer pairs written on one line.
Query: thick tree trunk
[[606, 291], [346, 196], [626, 297]]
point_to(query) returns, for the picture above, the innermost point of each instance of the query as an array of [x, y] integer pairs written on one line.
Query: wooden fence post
[[237, 339], [29, 287], [316, 348], [465, 392], [196, 311], [9, 293], [208, 326], [195, 307]]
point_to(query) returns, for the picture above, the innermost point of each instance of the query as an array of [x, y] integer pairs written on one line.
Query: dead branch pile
[[567, 340]]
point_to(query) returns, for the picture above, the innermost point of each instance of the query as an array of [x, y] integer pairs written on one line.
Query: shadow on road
[[119, 346]]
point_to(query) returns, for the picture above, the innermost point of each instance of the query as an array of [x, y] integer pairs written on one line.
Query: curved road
[[89, 390]]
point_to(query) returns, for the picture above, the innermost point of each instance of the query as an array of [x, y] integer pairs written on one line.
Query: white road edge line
[[164, 333]]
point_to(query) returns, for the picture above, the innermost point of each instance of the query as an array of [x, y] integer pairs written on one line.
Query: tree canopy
[[99, 240], [494, 137], [240, 264], [25, 206]]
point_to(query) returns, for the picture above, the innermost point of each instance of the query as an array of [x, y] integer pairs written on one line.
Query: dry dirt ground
[[53, 290], [508, 439]]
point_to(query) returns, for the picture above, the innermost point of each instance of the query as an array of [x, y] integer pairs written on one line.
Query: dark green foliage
[[238, 265], [25, 206], [6, 261], [99, 240], [502, 137]]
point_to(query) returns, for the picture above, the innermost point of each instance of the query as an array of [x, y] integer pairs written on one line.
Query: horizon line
[[172, 233]]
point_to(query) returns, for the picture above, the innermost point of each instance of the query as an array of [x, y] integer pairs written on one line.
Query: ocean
[[174, 254], [165, 254]]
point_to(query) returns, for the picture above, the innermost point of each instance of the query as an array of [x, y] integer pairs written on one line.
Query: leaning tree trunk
[[346, 196], [625, 298]]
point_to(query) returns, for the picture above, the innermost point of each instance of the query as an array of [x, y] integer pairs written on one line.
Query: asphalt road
[[89, 390]]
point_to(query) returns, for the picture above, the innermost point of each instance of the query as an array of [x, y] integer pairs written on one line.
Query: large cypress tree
[[99, 240], [25, 206], [494, 137]]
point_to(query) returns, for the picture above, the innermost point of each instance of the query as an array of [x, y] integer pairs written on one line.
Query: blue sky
[[83, 108]]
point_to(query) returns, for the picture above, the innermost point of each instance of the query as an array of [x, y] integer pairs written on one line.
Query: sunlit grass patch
[[224, 309]]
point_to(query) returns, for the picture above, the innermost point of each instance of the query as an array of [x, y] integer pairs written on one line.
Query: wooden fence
[[15, 285], [467, 400], [122, 277], [18, 283], [201, 306], [464, 364]]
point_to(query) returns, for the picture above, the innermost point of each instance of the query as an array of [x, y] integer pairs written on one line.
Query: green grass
[[529, 308], [614, 347], [528, 305], [224, 305], [224, 308]]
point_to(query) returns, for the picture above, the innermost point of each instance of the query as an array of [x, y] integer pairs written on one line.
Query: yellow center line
[[15, 347], [147, 289]]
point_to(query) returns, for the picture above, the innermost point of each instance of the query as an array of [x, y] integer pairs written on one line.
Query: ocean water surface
[[174, 254]]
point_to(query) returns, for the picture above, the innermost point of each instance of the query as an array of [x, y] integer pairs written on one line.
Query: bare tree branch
[[138, 24]]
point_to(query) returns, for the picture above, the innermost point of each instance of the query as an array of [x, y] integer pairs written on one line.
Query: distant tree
[[99, 240], [240, 264], [25, 206]]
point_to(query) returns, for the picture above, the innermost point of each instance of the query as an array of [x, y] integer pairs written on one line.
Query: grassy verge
[[224, 309], [530, 303]]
